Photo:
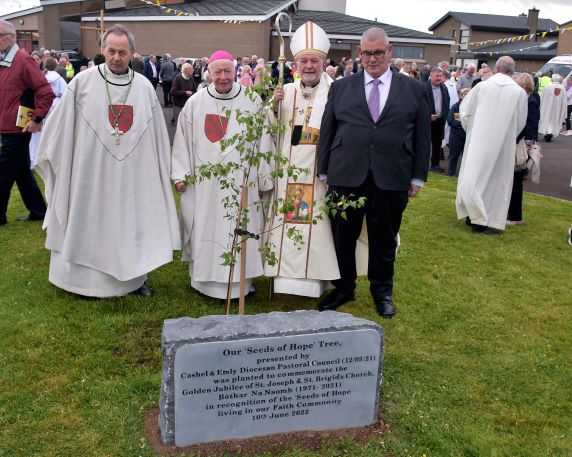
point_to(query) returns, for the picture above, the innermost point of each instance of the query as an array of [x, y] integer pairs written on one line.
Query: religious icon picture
[[299, 204], [309, 135]]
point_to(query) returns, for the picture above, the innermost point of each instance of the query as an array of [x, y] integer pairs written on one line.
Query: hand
[[414, 190], [189, 93], [279, 93], [32, 127], [181, 187], [433, 117]]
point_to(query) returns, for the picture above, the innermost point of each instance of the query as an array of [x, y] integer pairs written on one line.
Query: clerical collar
[[236, 89], [307, 91], [116, 80]]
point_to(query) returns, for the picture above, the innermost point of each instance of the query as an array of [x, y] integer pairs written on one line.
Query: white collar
[[9, 56], [385, 78]]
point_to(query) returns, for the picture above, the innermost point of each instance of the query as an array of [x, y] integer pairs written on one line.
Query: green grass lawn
[[477, 361]]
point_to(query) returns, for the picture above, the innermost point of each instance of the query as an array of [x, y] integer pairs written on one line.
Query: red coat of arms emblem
[[557, 91], [215, 127], [125, 119]]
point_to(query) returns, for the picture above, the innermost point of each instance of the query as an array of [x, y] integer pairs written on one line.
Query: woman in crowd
[[530, 135], [568, 131]]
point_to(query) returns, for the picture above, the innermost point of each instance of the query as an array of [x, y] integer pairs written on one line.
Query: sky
[[426, 12]]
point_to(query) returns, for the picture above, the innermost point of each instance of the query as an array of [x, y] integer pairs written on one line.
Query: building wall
[[435, 53], [446, 30], [29, 22], [565, 41], [192, 38], [50, 30]]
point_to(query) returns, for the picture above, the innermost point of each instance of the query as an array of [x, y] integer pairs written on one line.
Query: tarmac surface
[[555, 166]]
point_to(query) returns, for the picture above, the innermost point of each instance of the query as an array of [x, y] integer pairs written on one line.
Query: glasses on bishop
[[378, 53]]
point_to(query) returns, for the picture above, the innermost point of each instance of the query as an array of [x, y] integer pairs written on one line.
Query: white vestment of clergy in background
[[59, 86], [493, 113], [453, 98], [303, 269], [207, 226], [553, 109], [111, 215]]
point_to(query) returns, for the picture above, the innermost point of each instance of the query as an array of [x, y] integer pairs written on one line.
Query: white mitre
[[309, 39]]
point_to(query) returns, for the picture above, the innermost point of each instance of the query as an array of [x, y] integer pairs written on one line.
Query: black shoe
[[437, 168], [548, 137], [468, 222], [335, 299], [3, 222], [484, 230], [385, 306], [143, 291], [29, 218]]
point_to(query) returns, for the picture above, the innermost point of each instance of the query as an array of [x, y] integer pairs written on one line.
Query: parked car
[[77, 59]]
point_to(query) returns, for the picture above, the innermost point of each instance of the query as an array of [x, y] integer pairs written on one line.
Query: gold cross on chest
[[117, 133]]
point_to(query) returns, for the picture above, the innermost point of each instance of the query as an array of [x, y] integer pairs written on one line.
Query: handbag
[[521, 156]]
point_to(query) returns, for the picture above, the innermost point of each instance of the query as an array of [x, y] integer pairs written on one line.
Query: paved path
[[555, 172]]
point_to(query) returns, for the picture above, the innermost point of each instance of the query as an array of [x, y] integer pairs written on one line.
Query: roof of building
[[217, 8], [335, 23], [520, 50], [495, 22]]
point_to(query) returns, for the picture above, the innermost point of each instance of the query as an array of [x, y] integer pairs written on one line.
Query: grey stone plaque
[[230, 377]]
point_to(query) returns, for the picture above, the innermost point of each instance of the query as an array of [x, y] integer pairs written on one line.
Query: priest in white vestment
[[207, 226], [305, 268], [493, 113], [105, 160], [553, 108]]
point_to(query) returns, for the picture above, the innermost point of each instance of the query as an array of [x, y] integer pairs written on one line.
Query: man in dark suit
[[439, 100], [151, 70], [374, 143]]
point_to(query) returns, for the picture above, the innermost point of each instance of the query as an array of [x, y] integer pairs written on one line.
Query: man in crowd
[[553, 108], [70, 72], [374, 143], [303, 269], [21, 84], [183, 87], [137, 63], [466, 81], [150, 70], [438, 96], [104, 157], [166, 75], [485, 179], [208, 226], [484, 74]]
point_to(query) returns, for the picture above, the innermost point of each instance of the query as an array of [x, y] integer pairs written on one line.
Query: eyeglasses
[[378, 53], [4, 34]]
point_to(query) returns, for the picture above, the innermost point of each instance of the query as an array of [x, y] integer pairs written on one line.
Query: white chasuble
[[493, 113], [207, 226], [303, 269], [553, 109], [111, 214]]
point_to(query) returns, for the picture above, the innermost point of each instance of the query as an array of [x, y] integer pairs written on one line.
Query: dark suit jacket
[[396, 148], [148, 71], [445, 99]]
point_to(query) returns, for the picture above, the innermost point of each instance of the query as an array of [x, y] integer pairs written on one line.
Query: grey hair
[[505, 65], [185, 66], [8, 26], [375, 33], [436, 69], [556, 78], [118, 30]]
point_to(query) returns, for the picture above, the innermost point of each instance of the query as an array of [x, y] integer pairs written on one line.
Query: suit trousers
[[15, 167], [437, 135], [515, 206], [382, 211], [166, 86]]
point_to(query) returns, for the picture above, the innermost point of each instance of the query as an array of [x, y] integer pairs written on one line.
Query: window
[[408, 52], [464, 41], [454, 34]]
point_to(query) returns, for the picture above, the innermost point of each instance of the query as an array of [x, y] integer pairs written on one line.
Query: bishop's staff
[[280, 139]]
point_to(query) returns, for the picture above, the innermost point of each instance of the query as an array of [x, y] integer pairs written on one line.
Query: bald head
[[505, 65], [374, 34]]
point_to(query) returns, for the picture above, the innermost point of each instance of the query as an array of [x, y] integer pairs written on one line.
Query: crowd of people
[[368, 129]]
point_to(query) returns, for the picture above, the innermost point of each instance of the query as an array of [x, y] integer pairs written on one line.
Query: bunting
[[491, 53], [176, 12], [518, 38]]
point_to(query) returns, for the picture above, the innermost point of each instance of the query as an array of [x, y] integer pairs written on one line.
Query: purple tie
[[373, 101]]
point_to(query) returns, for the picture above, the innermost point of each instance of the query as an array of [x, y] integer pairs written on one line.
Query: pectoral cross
[[117, 133]]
